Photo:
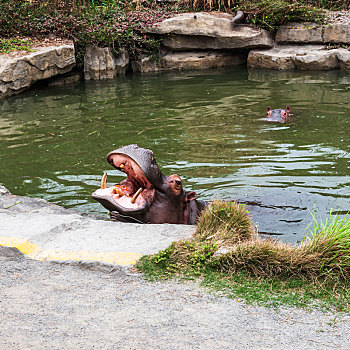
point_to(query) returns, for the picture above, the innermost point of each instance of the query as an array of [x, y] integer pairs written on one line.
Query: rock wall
[[20, 72], [210, 40]]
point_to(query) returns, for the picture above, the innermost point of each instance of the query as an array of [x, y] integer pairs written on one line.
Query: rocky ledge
[[20, 71]]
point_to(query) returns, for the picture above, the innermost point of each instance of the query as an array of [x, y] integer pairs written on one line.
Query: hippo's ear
[[288, 109], [268, 109], [190, 196]]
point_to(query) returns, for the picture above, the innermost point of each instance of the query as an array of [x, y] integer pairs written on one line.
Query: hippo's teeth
[[104, 181], [133, 199], [122, 165]]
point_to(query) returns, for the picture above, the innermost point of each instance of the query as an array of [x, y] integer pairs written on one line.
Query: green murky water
[[206, 126]]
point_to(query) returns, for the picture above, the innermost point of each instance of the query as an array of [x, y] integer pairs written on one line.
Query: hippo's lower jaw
[[132, 202]]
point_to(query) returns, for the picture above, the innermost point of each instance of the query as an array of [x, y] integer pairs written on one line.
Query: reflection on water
[[206, 126]]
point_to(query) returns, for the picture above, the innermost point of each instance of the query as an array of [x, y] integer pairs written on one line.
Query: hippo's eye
[[178, 182]]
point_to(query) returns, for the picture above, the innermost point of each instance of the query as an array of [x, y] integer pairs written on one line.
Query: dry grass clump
[[225, 241], [269, 258], [225, 223]]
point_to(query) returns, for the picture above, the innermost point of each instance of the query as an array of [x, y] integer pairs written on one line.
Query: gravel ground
[[45, 305]]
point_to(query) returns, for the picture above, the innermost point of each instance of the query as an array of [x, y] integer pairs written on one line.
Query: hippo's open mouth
[[132, 195]]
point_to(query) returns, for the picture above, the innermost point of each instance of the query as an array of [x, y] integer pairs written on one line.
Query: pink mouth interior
[[134, 181], [124, 200]]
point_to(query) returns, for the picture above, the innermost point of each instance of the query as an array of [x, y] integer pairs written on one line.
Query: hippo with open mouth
[[146, 195], [277, 115]]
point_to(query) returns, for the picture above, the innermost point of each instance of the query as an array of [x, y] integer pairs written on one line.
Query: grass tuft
[[331, 241], [225, 223]]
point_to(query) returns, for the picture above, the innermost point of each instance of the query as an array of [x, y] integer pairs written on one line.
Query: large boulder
[[20, 72], [188, 61], [188, 31], [306, 57], [103, 63]]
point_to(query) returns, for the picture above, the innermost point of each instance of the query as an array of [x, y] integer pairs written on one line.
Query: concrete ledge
[[43, 231]]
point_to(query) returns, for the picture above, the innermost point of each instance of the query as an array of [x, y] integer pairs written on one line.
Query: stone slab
[[305, 57], [209, 31]]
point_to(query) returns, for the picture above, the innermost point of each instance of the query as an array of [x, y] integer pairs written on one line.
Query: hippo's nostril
[[178, 182]]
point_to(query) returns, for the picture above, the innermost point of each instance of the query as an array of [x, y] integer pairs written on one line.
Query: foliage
[[13, 44], [321, 263], [265, 13], [105, 23], [273, 13], [225, 5]]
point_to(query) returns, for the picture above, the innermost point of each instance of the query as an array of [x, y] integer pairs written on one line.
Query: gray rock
[[19, 73], [337, 33], [315, 60], [343, 56], [306, 33], [103, 63], [306, 57], [277, 58], [209, 31], [188, 61], [146, 64]]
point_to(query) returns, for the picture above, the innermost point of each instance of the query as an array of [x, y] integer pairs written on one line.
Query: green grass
[[10, 45], [263, 271], [274, 292]]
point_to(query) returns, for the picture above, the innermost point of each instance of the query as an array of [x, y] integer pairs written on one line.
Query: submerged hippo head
[[146, 195], [277, 115]]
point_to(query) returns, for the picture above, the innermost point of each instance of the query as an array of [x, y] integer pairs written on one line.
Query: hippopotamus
[[146, 195], [277, 115]]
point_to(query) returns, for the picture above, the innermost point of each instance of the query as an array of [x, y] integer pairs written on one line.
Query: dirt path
[[53, 306]]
